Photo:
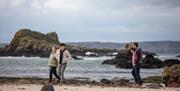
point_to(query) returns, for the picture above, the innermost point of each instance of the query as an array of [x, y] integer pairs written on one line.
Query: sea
[[88, 68]]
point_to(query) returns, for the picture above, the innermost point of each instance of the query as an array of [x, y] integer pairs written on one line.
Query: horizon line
[[113, 41]]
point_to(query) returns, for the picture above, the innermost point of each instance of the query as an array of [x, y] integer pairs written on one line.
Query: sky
[[93, 20]]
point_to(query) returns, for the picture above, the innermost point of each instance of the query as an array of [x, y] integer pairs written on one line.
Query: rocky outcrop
[[151, 62], [171, 76], [105, 81], [30, 43], [124, 57], [123, 60]]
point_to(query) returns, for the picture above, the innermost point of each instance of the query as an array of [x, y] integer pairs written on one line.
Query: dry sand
[[32, 87]]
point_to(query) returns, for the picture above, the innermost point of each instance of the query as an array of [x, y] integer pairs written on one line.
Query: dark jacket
[[137, 56]]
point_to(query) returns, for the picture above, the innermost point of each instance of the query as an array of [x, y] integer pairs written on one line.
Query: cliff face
[[30, 43]]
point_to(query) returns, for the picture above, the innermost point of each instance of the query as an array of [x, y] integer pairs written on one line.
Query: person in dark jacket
[[136, 62]]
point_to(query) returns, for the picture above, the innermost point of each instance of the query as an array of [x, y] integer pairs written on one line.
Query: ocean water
[[89, 67]]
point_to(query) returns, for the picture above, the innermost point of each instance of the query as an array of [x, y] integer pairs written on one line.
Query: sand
[[32, 87], [35, 84]]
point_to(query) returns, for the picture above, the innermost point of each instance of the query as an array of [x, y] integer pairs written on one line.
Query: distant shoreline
[[159, 47]]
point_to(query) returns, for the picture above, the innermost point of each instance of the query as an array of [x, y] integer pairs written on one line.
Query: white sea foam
[[97, 58], [20, 57]]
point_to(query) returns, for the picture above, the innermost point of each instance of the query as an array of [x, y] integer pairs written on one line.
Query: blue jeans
[[135, 72]]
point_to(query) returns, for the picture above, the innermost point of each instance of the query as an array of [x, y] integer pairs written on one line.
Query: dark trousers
[[135, 72], [51, 72]]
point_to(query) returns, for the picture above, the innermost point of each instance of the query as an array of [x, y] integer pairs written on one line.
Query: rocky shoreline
[[170, 78]]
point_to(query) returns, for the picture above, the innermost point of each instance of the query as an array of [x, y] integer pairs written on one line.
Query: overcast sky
[[93, 20]]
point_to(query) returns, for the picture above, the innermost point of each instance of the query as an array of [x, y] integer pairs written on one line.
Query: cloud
[[97, 17]]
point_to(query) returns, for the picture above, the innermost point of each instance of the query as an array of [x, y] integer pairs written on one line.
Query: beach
[[33, 87], [35, 84]]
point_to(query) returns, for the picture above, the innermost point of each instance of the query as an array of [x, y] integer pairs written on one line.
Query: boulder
[[122, 60], [105, 81], [47, 87], [120, 82], [115, 82], [170, 62], [151, 62]]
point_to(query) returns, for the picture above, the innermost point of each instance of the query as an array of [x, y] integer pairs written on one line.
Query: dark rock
[[105, 81], [150, 62], [122, 60], [124, 57], [76, 81], [120, 82], [178, 56], [47, 87], [170, 62]]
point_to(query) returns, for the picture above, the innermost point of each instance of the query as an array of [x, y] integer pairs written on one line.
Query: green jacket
[[52, 60]]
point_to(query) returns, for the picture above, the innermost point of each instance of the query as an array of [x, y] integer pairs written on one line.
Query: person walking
[[53, 63], [63, 56], [136, 62]]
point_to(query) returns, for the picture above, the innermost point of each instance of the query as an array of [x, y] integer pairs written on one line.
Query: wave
[[19, 57], [97, 58]]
